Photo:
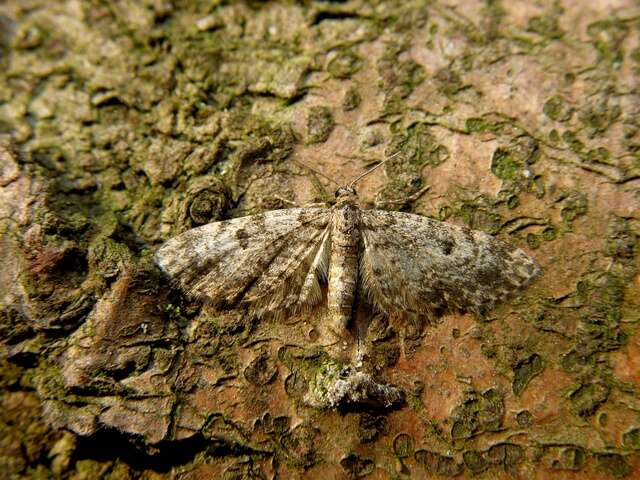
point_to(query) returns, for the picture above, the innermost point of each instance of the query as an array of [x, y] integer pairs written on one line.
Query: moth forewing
[[420, 265], [256, 260]]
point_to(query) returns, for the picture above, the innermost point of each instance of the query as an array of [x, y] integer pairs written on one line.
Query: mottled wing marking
[[416, 264], [271, 261]]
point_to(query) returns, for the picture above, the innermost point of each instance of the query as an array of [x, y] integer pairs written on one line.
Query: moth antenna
[[316, 172], [352, 184]]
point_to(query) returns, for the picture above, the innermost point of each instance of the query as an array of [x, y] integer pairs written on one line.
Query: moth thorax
[[345, 220], [346, 195]]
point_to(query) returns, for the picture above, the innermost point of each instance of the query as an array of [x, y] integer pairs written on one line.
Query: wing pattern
[[415, 264], [271, 261]]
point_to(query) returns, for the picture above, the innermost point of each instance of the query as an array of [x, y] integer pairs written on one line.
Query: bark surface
[[124, 123]]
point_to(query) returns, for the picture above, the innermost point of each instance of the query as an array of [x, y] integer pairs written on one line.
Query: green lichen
[[497, 124], [574, 205], [571, 458], [513, 202], [299, 446], [504, 166], [511, 163], [509, 455], [533, 240], [475, 461], [479, 217], [371, 427], [125, 132], [207, 206], [419, 147], [556, 108], [599, 155], [588, 397], [477, 414], [403, 445], [546, 25], [524, 418], [397, 78], [599, 115], [608, 38], [449, 82], [108, 257], [344, 64], [356, 466], [549, 234], [479, 125], [320, 123], [438, 464], [614, 464], [525, 371], [324, 378], [351, 99], [571, 139], [631, 438]]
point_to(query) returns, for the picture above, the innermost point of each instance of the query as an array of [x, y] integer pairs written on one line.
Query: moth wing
[[415, 264], [271, 261]]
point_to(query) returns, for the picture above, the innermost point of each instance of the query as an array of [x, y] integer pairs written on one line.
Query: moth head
[[346, 194]]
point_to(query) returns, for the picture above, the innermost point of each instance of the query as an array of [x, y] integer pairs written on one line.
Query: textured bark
[[125, 123]]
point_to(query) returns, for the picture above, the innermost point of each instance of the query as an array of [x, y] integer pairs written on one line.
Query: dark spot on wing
[[198, 269], [489, 276], [259, 221], [530, 268], [242, 236], [390, 220], [446, 244], [468, 234], [304, 216], [379, 222], [312, 218], [501, 249]]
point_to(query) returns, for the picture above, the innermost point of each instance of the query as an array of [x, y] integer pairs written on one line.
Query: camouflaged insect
[[275, 262]]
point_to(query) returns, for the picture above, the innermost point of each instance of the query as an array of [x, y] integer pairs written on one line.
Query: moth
[[275, 262]]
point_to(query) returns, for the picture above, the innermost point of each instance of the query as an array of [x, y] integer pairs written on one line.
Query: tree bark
[[126, 123]]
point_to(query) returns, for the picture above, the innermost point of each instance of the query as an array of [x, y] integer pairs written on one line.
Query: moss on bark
[[125, 123]]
